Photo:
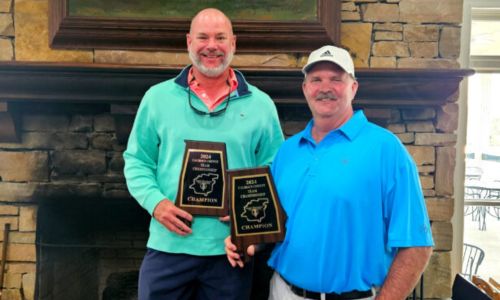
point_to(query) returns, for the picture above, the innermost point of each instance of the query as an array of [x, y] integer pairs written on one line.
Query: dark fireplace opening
[[89, 249]]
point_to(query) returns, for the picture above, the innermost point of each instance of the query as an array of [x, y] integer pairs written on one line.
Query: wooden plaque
[[202, 179], [256, 213]]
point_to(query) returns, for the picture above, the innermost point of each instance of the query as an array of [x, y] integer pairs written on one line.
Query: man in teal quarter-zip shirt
[[207, 101]]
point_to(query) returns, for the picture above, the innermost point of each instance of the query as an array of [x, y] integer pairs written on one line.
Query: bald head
[[209, 15], [211, 43]]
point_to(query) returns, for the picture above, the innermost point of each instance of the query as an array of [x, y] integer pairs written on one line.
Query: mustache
[[212, 52], [326, 95]]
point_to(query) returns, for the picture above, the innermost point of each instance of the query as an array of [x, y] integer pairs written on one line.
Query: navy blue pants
[[167, 276]]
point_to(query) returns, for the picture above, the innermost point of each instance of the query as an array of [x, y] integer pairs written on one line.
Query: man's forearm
[[404, 273]]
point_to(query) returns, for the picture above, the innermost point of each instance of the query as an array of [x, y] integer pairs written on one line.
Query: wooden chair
[[494, 283], [490, 290]]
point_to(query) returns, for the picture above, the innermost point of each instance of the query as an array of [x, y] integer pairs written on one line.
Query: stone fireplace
[[89, 248], [75, 232]]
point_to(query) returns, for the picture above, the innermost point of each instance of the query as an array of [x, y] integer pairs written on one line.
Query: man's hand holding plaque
[[175, 219], [256, 213]]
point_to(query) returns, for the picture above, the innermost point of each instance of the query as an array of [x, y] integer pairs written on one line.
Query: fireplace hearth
[[89, 248]]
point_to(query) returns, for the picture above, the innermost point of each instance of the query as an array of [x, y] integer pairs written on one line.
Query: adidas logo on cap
[[336, 55], [326, 53]]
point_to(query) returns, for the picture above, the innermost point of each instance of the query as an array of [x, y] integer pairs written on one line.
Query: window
[[482, 149]]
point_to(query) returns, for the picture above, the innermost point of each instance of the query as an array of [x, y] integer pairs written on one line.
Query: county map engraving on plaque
[[203, 184], [255, 210]]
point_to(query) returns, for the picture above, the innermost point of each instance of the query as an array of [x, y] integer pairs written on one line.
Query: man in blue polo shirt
[[356, 214]]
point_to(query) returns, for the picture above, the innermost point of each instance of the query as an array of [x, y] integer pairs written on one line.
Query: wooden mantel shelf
[[122, 86]]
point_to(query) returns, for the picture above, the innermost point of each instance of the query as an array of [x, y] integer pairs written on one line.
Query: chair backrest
[[488, 288], [472, 257], [463, 289]]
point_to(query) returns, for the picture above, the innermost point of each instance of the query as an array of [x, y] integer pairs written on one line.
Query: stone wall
[[72, 164], [6, 30], [379, 33], [76, 154]]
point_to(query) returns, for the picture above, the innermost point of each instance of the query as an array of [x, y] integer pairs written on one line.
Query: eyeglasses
[[211, 113]]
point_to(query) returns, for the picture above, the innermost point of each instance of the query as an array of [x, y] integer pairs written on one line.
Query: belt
[[329, 296]]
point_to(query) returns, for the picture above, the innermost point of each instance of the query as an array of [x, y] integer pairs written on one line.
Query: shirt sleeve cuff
[[152, 201]]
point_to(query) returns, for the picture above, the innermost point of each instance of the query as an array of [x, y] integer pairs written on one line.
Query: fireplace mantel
[[120, 87]]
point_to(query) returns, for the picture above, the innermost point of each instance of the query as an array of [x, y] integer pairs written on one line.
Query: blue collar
[[350, 129]]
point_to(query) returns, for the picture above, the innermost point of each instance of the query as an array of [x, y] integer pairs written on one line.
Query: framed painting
[[260, 25]]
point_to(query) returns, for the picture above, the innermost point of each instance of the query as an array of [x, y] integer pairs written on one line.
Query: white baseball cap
[[336, 55]]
